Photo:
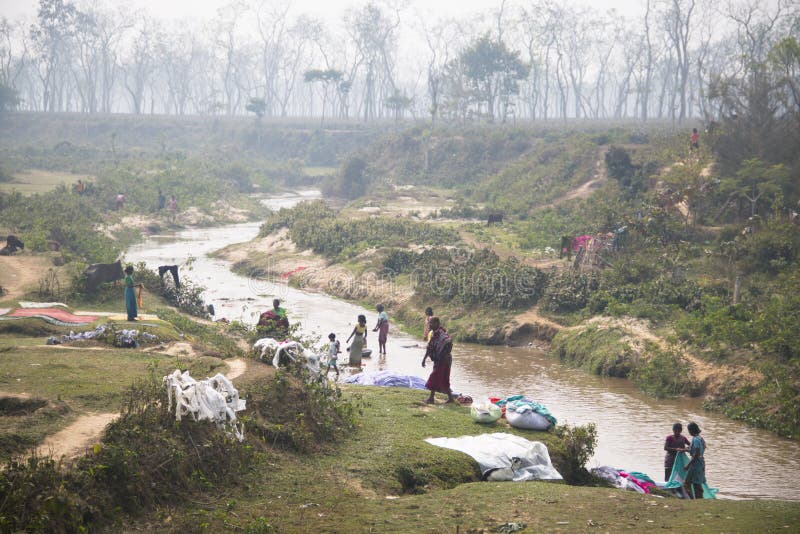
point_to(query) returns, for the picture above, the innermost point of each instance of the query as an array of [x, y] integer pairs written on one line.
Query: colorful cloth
[[53, 316]]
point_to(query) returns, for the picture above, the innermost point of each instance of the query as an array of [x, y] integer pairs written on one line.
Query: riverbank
[[383, 477]]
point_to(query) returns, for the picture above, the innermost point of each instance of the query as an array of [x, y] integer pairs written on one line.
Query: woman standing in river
[[359, 336], [440, 347], [382, 328]]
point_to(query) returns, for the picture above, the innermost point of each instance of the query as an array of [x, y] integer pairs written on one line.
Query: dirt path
[[236, 368], [599, 178], [73, 440], [532, 317], [20, 274]]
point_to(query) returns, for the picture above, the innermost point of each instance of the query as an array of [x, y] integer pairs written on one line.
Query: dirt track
[[21, 273]]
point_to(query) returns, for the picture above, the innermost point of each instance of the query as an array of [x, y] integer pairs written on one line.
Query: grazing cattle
[[12, 244], [494, 218], [173, 270], [98, 273]]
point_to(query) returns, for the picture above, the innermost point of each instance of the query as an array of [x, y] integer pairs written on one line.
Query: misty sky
[[326, 9]]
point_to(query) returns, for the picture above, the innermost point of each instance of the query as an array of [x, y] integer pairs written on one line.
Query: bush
[[569, 291], [576, 446], [666, 373]]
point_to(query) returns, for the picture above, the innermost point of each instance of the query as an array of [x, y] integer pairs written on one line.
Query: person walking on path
[[439, 350], [130, 294], [382, 328], [359, 337], [675, 443]]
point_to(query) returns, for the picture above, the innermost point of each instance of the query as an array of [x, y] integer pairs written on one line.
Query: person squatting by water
[[382, 327], [675, 443], [130, 294], [333, 352], [439, 350], [696, 468], [359, 337]]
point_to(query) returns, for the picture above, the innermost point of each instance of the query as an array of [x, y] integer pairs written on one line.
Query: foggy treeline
[[534, 60]]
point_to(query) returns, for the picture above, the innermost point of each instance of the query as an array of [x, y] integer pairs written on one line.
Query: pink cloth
[[641, 483], [61, 315]]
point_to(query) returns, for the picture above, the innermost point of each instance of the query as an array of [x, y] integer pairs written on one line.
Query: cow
[[12, 244], [98, 273], [494, 218], [173, 270]]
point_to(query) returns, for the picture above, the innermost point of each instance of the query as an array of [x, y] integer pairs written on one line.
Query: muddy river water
[[742, 462]]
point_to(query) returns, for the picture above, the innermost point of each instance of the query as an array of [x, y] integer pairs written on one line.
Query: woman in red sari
[[439, 351]]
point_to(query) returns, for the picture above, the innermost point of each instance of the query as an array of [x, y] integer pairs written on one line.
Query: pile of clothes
[[633, 480], [123, 338]]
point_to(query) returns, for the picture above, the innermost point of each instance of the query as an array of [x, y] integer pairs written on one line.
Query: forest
[[534, 61]]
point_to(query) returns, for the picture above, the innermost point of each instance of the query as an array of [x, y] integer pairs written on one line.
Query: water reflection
[[741, 461]]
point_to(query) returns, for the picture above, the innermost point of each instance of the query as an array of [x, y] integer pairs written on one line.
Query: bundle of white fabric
[[213, 399]]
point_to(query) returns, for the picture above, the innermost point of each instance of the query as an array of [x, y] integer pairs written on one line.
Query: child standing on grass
[[333, 351]]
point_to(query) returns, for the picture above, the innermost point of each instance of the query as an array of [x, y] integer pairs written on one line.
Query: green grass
[[76, 378], [39, 181], [354, 486]]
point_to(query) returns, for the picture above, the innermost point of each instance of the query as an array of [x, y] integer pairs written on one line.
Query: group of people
[[676, 443], [438, 349], [359, 337]]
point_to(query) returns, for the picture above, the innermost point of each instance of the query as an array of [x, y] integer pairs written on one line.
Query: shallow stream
[[741, 461]]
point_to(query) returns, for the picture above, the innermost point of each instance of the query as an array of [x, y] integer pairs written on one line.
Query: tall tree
[[492, 72]]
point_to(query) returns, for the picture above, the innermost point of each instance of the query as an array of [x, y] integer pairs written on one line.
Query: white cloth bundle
[[213, 399]]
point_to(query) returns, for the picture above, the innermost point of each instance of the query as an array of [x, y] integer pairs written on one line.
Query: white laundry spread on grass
[[28, 304], [213, 399], [495, 451]]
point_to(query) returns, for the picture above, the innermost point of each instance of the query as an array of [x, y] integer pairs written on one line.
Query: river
[[742, 462]]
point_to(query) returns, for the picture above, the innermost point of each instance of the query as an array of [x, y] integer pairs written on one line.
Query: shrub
[[666, 373], [571, 454]]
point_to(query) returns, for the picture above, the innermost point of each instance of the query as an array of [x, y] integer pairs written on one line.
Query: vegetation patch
[[601, 351]]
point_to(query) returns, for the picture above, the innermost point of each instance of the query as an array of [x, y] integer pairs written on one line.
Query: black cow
[[173, 270], [97, 273], [12, 244], [494, 218]]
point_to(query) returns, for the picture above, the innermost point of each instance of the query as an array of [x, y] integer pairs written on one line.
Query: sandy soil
[[236, 368], [75, 439], [21, 273]]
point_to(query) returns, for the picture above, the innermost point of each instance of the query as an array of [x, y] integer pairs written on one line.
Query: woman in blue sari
[[696, 468]]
